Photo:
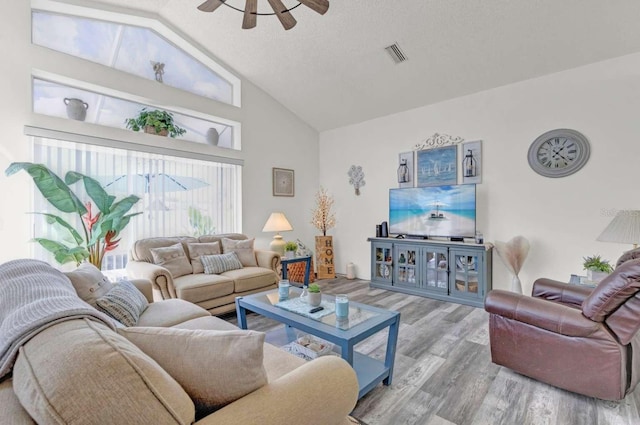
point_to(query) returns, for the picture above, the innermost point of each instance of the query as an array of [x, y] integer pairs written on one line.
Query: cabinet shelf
[[456, 271]]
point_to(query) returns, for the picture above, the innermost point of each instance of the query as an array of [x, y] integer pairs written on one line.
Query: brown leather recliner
[[577, 338]]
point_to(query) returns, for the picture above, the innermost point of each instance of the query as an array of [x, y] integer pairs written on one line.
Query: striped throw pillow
[[216, 264], [124, 302]]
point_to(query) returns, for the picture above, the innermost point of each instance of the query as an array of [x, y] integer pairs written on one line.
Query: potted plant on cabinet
[[290, 249], [315, 296], [155, 122], [324, 219], [597, 268]]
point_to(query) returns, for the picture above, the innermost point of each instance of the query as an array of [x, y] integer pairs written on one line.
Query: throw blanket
[[34, 296]]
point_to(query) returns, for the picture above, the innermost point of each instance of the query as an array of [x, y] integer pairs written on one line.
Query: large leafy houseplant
[[161, 122], [100, 229]]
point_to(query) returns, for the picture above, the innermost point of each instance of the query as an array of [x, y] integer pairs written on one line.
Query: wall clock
[[559, 153]]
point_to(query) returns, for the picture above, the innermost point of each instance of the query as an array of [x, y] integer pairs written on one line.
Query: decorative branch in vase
[[513, 254], [324, 219]]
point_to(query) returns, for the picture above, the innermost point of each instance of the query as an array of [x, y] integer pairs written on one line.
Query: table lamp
[[624, 228], [277, 222]]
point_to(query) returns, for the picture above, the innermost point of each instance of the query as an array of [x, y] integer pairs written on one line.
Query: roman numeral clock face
[[558, 153]]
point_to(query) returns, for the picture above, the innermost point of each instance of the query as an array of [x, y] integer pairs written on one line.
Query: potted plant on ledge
[[155, 122], [315, 296], [597, 268]]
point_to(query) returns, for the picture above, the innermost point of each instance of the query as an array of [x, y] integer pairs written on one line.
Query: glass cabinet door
[[466, 272], [382, 264], [437, 270], [407, 273]]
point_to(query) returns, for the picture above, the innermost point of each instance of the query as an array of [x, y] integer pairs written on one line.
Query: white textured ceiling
[[332, 70]]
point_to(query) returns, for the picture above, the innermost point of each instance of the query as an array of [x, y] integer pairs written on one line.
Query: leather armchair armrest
[[144, 286], [554, 317], [160, 278], [268, 259], [561, 292], [279, 403]]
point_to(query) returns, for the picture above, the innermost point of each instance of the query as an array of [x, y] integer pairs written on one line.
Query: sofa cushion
[[202, 287], [250, 278], [12, 411], [172, 258], [81, 372], [124, 302], [89, 282], [141, 249], [212, 323], [197, 250], [171, 312], [214, 367], [216, 264], [243, 248]]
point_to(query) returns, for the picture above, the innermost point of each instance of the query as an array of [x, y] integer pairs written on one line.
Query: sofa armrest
[[160, 278], [554, 317], [565, 293], [144, 286], [268, 259], [279, 402]]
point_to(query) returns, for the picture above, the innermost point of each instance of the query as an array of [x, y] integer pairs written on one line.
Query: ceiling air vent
[[396, 53]]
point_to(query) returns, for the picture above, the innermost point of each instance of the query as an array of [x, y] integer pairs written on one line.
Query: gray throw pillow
[[216, 264], [124, 302]]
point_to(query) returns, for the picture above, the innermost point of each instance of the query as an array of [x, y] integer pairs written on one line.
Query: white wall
[[560, 217], [271, 135]]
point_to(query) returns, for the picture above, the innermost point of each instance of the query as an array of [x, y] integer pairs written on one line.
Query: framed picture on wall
[[283, 182], [406, 170], [472, 162], [437, 167]]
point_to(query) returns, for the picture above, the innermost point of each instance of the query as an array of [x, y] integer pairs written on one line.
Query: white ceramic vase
[[516, 285]]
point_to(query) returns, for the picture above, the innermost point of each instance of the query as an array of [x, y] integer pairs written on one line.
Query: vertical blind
[[179, 196]]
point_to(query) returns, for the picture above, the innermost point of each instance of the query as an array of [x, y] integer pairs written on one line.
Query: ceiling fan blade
[[210, 5], [250, 17], [286, 19], [320, 6]]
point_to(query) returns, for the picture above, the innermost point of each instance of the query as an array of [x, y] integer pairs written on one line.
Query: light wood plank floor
[[444, 375]]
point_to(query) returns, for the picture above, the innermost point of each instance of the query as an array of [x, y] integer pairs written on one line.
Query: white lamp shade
[[277, 222], [624, 228]]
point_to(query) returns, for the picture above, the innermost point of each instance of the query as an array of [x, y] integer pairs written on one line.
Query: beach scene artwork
[[446, 211], [437, 166]]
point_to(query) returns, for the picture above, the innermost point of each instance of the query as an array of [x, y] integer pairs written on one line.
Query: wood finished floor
[[443, 373]]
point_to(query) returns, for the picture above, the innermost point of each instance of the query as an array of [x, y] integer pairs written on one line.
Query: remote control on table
[[316, 309]]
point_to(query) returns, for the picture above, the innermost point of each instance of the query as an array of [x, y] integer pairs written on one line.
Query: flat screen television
[[439, 211]]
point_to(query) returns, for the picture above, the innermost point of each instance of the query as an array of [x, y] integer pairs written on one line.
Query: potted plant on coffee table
[[597, 268], [315, 296], [155, 122]]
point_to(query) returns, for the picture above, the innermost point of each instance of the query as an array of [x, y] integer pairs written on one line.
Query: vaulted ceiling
[[333, 70]]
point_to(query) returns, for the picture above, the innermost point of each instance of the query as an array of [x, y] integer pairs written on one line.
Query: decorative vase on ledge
[[596, 276]]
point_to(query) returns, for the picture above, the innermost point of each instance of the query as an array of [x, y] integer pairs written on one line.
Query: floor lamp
[[277, 222]]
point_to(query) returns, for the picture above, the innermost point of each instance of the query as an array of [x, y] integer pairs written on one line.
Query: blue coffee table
[[364, 321]]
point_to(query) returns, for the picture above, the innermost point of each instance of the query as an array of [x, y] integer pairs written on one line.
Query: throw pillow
[[124, 302], [243, 248], [89, 282], [197, 250], [216, 264], [173, 259], [214, 367]]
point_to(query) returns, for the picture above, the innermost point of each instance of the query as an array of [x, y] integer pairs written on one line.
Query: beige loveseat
[[184, 277], [82, 372]]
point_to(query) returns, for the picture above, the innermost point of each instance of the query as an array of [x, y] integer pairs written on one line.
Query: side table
[[582, 280], [307, 269]]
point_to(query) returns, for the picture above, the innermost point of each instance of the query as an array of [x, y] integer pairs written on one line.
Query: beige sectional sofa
[[81, 371], [184, 277]]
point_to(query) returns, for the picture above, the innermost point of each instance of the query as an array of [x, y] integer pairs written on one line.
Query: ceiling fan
[[279, 9]]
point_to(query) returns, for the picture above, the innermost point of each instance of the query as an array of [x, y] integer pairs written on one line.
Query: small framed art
[[472, 162], [283, 182], [406, 177], [437, 166]]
